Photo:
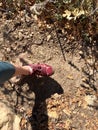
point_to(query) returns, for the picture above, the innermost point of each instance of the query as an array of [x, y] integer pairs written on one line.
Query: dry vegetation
[[70, 26]]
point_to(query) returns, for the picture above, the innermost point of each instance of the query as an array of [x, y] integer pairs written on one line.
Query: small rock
[[31, 35], [48, 37], [70, 77], [1, 39], [8, 50], [16, 122], [21, 37], [83, 79], [65, 39], [56, 96], [48, 26], [81, 52], [21, 30], [8, 119], [67, 112], [90, 99], [90, 61], [53, 114]]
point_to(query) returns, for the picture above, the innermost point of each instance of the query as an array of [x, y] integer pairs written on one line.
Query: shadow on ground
[[30, 94], [43, 87]]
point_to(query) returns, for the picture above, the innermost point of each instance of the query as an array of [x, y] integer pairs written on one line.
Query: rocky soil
[[68, 100]]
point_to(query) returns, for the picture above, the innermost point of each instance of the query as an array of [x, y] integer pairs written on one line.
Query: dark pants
[[7, 70]]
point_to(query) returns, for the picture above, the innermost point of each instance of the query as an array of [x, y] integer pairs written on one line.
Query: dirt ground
[[68, 100]]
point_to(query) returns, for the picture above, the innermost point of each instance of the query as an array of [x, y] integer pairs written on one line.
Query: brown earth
[[65, 101]]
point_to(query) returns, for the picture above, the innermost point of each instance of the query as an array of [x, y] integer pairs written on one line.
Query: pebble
[[53, 114], [48, 37], [90, 99], [20, 36], [81, 52]]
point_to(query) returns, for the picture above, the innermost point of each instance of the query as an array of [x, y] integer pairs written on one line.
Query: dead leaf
[[67, 14], [48, 37], [67, 111], [70, 77], [67, 124], [23, 123]]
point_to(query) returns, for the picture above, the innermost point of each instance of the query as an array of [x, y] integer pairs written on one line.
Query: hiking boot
[[42, 69]]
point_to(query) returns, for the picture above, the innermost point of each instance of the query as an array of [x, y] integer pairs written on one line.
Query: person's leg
[[22, 70], [8, 70]]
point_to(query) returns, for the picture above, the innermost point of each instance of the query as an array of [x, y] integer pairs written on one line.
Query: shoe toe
[[50, 71]]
